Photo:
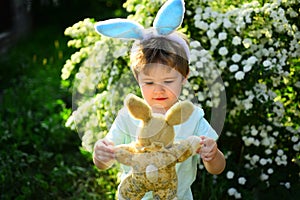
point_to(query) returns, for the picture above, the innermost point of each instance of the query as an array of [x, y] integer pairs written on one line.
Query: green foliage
[[250, 49], [39, 157]]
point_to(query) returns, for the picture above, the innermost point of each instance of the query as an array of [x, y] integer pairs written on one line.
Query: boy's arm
[[213, 158], [217, 164], [102, 165], [103, 154]]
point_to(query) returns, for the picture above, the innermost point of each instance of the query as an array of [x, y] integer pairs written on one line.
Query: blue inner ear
[[120, 28], [169, 17]]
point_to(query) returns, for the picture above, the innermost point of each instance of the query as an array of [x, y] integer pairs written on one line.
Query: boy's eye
[[168, 82], [148, 83]]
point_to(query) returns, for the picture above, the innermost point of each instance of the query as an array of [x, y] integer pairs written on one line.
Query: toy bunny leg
[[165, 194], [129, 191]]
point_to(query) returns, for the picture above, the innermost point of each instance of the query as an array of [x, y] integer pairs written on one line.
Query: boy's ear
[[138, 108], [179, 113], [184, 80]]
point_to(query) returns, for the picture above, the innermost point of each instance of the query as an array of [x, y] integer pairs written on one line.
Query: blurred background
[[39, 157]]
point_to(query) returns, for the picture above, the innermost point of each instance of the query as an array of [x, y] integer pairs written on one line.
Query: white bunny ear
[[120, 28], [169, 17]]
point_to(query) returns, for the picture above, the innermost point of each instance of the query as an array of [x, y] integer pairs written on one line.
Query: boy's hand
[[104, 151], [209, 148]]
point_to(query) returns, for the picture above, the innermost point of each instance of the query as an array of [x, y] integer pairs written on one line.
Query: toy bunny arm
[[185, 148], [124, 154]]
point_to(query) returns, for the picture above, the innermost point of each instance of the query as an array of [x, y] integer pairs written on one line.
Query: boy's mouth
[[160, 99]]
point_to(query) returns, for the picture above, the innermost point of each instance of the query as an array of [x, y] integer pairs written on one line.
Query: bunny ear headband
[[168, 19]]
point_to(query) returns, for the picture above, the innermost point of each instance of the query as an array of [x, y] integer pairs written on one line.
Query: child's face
[[160, 87]]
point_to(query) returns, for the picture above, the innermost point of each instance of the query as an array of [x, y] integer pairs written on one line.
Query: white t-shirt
[[124, 129]]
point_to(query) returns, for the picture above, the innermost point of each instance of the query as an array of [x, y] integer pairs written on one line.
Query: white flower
[[204, 60], [214, 42], [280, 152], [233, 68], [287, 185], [256, 141], [239, 75], [247, 43], [201, 96], [255, 158], [199, 10], [199, 65], [197, 17], [266, 63], [292, 12], [264, 177], [296, 147], [231, 191], [247, 68], [266, 142], [236, 57], [254, 132], [206, 14], [230, 174], [223, 51], [202, 25], [276, 133], [227, 23], [297, 84], [251, 60], [236, 40], [237, 195], [263, 133], [268, 151], [248, 105], [210, 33], [294, 138], [222, 36], [222, 64], [193, 57], [213, 26], [263, 161], [284, 157], [120, 52], [270, 171], [242, 180], [248, 141], [269, 128], [195, 44]]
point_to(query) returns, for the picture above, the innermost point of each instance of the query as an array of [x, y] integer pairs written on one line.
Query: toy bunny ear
[[138, 108], [179, 113], [120, 28], [169, 17]]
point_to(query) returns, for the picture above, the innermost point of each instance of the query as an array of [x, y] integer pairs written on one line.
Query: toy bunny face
[[156, 130], [157, 127]]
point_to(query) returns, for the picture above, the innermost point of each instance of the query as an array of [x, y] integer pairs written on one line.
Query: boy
[[160, 65]]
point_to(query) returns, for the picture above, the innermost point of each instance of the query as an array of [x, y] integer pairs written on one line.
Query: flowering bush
[[249, 52]]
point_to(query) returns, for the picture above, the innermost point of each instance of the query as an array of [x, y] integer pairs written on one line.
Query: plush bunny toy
[[154, 155]]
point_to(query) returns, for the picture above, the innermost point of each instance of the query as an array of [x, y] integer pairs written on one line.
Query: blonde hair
[[159, 50]]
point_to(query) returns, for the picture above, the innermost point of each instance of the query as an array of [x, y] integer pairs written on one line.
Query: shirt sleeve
[[123, 129], [203, 127]]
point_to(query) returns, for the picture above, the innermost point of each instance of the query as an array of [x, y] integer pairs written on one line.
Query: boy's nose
[[159, 87]]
